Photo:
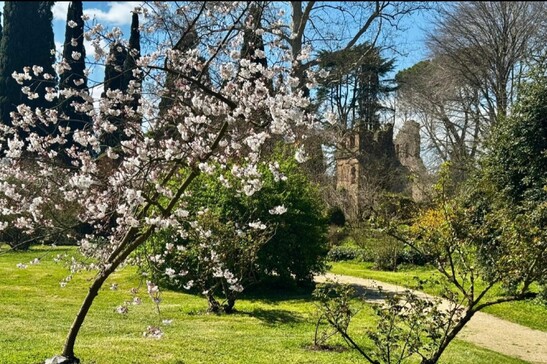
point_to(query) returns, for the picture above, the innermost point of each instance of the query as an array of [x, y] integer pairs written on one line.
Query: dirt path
[[483, 330]]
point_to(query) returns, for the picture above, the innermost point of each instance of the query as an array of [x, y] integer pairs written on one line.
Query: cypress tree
[[114, 80], [27, 40], [113, 72], [130, 64], [74, 78], [171, 91], [118, 76], [188, 41]]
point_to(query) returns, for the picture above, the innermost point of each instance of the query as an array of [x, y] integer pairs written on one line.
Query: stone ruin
[[371, 162]]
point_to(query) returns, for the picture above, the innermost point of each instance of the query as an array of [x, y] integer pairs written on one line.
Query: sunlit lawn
[[36, 312], [528, 313]]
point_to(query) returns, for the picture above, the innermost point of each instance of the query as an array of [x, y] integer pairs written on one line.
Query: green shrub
[[411, 256], [290, 249], [340, 253], [387, 256], [336, 235]]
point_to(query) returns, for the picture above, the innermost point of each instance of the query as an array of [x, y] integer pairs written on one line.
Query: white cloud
[[96, 92], [59, 10], [90, 50], [59, 47], [119, 12]]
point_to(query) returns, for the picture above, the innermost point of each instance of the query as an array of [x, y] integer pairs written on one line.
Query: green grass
[[528, 313], [36, 313]]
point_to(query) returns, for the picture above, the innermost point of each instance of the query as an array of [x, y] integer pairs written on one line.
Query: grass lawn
[[36, 312], [528, 313]]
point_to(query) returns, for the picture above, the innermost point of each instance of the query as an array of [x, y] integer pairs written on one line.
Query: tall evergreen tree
[[27, 41], [74, 78], [119, 75], [130, 63], [114, 81], [188, 41], [113, 72]]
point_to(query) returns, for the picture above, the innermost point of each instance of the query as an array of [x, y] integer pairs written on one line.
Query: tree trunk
[[229, 306], [459, 326], [129, 244], [68, 351], [214, 306]]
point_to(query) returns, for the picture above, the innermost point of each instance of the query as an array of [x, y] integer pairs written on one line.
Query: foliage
[[507, 201], [396, 205], [355, 85], [297, 250], [386, 256], [516, 164], [16, 54], [336, 216], [334, 306], [243, 239], [340, 253], [336, 235], [368, 244]]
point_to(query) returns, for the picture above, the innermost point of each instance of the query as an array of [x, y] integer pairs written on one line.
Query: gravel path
[[483, 330]]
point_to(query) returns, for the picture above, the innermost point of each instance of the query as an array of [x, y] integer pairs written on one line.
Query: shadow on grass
[[337, 348], [370, 294], [274, 293], [274, 317]]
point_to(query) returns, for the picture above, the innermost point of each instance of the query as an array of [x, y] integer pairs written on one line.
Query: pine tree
[[74, 78], [27, 40]]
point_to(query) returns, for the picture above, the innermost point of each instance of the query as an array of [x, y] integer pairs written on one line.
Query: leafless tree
[[447, 107], [490, 44]]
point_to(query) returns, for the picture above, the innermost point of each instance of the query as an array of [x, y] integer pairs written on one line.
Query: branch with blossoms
[[217, 258]]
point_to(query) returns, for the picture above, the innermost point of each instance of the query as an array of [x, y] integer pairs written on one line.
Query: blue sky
[[117, 13], [410, 42], [108, 13]]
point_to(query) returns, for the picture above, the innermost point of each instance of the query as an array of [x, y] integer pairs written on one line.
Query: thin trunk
[[437, 355], [131, 242], [68, 351]]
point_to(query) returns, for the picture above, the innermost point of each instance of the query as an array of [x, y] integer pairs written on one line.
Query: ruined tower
[[370, 163], [407, 147]]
